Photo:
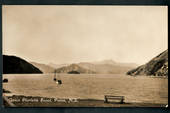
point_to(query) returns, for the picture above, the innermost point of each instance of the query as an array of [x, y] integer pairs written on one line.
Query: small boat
[[58, 81]]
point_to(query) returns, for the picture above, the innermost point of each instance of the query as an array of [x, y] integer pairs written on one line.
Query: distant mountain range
[[111, 62], [74, 67], [101, 67], [43, 67], [107, 68], [16, 65], [156, 66]]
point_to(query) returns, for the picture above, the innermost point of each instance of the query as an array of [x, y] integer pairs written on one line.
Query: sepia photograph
[[84, 56]]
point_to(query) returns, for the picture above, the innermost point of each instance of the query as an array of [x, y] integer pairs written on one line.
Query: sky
[[71, 34]]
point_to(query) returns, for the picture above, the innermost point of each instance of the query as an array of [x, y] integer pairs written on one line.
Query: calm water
[[135, 89]]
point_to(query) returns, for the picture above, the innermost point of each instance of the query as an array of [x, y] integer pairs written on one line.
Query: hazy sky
[[66, 34]]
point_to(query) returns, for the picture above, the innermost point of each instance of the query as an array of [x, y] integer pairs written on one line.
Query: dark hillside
[[157, 66], [16, 65]]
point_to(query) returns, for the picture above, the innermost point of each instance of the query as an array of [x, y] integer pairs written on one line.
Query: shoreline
[[36, 101]]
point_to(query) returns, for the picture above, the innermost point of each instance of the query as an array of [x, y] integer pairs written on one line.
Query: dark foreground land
[[30, 101]]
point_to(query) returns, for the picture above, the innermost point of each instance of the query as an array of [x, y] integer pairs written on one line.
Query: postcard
[[85, 56]]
